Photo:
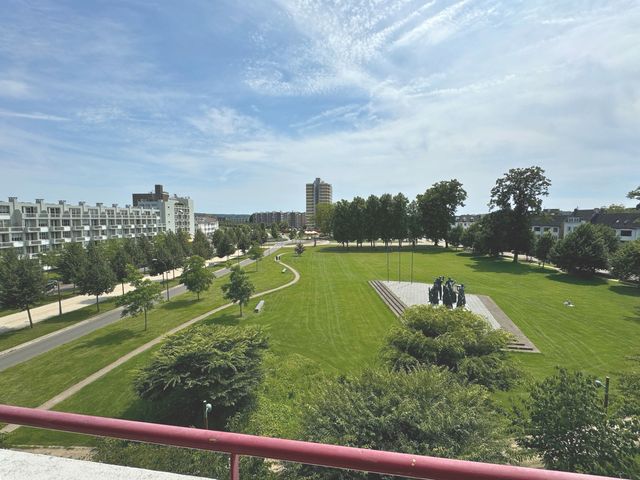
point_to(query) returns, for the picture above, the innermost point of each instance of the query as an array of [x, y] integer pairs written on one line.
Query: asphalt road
[[32, 349]]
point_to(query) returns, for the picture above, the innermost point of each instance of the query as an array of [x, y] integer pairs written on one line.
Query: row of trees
[[516, 197]]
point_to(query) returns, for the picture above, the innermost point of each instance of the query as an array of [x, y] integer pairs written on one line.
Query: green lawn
[[333, 322], [34, 382]]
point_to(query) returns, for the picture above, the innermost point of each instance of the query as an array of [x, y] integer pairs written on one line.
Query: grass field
[[332, 321]]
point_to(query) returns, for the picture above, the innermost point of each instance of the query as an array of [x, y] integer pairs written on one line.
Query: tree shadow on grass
[[630, 290], [176, 304], [422, 249], [112, 338], [575, 279], [634, 316], [499, 265], [229, 319]]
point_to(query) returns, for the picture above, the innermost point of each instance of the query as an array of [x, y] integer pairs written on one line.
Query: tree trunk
[[97, 303], [446, 243], [240, 308], [122, 287], [145, 319], [198, 295], [30, 320], [399, 260], [515, 257]]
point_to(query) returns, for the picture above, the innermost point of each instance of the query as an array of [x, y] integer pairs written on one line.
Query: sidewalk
[[20, 320]]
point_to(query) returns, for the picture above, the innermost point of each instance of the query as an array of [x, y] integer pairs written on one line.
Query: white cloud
[[226, 122], [14, 88], [33, 116]]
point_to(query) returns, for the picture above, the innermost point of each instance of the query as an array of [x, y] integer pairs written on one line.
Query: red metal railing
[[235, 444]]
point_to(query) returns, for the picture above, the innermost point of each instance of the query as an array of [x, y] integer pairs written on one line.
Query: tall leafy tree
[[372, 219], [582, 251], [520, 191], [399, 223], [455, 235], [358, 219], [196, 276], [22, 282], [184, 239], [342, 225], [563, 420], [97, 277], [240, 288], [224, 247], [134, 252], [543, 247], [119, 261], [299, 248], [255, 254], [146, 248], [201, 245], [625, 263], [414, 223], [145, 295], [385, 218], [324, 218], [161, 260], [491, 233], [438, 205], [71, 262]]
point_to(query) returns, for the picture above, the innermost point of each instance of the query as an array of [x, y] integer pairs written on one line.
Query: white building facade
[[176, 213], [37, 227]]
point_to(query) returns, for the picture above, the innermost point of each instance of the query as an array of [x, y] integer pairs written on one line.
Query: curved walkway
[[103, 371]]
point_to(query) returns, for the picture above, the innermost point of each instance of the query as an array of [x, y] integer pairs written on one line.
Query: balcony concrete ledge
[[20, 465]]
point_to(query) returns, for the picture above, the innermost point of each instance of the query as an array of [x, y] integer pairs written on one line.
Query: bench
[[259, 306]]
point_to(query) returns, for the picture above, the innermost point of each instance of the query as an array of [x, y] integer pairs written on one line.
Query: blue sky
[[239, 104]]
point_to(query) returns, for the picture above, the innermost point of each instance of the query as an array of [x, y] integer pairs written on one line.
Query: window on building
[[4, 209], [536, 229], [626, 233]]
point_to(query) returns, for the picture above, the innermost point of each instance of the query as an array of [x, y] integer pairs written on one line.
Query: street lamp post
[[206, 410], [606, 391]]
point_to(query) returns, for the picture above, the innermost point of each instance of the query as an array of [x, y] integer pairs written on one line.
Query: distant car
[[51, 285]]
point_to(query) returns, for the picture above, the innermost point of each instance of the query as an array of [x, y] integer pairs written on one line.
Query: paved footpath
[[27, 351], [102, 372]]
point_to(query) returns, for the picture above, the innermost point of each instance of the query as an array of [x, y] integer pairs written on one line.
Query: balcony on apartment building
[[18, 465]]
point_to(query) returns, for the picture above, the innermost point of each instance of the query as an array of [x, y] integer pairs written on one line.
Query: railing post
[[235, 467]]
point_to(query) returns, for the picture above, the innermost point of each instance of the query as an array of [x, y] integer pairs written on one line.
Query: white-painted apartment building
[[40, 226], [207, 224], [176, 213]]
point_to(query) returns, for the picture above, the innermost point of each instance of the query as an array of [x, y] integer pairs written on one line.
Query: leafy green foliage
[[22, 282], [582, 251], [196, 276], [426, 412], [457, 339], [299, 248], [201, 245], [438, 206], [543, 247], [520, 192], [71, 262], [142, 298], [634, 194], [625, 263], [96, 277], [239, 289], [219, 364], [324, 217], [256, 254], [564, 421], [455, 235], [224, 246]]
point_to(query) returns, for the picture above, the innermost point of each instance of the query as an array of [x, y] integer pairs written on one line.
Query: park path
[[28, 350], [103, 371], [20, 320]]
